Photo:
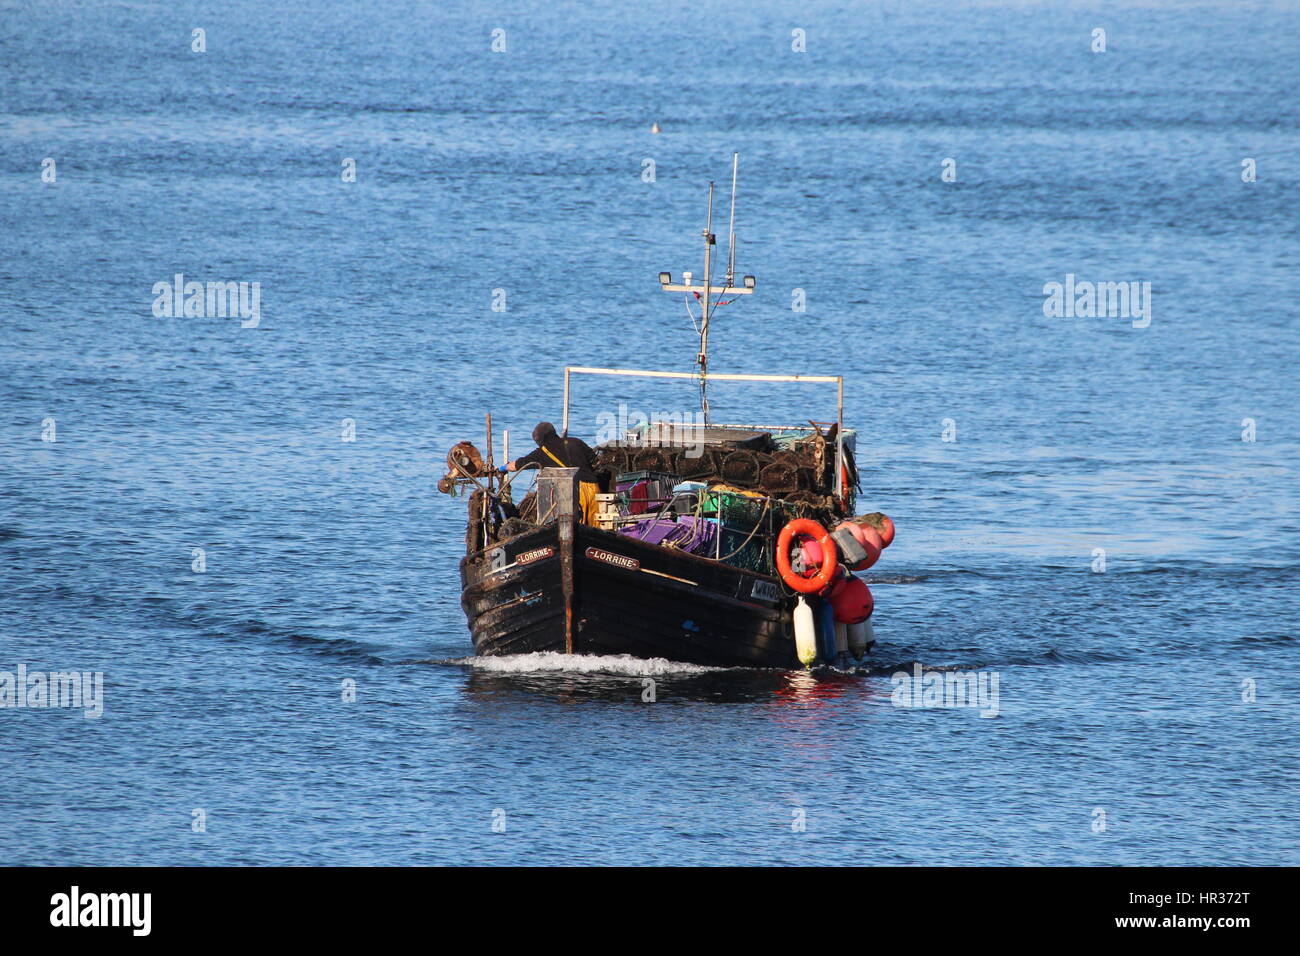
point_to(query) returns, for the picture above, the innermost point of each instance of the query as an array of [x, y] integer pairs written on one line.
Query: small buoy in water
[[654, 128], [805, 633]]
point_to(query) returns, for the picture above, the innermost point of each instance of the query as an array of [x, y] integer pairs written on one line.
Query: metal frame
[[837, 380]]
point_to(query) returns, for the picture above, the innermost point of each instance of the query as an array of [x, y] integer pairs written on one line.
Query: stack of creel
[[782, 472]]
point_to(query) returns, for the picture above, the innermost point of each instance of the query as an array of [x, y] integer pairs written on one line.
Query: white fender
[[841, 637], [805, 633], [861, 636]]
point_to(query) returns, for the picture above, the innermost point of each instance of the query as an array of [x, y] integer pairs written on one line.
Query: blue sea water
[[1147, 712]]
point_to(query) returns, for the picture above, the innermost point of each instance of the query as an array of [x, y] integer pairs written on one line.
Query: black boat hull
[[582, 590]]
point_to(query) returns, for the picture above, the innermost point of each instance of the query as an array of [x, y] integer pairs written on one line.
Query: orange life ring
[[830, 556]]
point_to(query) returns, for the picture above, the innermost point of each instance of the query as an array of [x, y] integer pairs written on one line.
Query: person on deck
[[554, 451]]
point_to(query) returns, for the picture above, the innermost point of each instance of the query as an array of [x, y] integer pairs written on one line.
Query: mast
[[707, 289]]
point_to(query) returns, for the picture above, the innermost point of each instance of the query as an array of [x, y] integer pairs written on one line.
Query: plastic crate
[[642, 491], [629, 478]]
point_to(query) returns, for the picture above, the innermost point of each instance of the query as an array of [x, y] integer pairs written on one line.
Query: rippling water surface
[[1158, 697]]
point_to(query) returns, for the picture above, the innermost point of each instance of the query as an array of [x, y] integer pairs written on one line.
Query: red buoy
[[812, 556], [887, 530], [851, 600], [872, 535]]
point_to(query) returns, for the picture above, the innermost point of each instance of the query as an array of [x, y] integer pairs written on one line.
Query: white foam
[[549, 661]]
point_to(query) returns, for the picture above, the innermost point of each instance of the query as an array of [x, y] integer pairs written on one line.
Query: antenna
[[731, 227], [704, 291]]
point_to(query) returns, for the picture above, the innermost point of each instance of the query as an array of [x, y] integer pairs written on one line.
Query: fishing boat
[[722, 544]]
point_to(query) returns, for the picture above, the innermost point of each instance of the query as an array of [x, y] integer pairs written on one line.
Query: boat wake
[[622, 665]]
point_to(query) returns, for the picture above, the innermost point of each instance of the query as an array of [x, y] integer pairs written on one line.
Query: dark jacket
[[571, 452]]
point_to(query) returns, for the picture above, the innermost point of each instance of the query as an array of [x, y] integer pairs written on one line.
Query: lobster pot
[[779, 478], [742, 468], [735, 510], [653, 459], [739, 515], [614, 457], [702, 466], [756, 555]]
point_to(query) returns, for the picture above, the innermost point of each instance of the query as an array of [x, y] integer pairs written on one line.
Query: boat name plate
[[537, 554], [622, 561]]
